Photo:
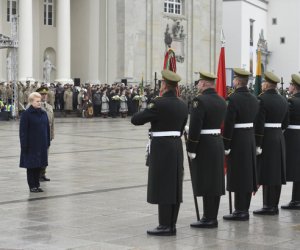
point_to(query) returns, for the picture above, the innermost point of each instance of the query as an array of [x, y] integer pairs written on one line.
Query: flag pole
[[221, 89], [190, 166]]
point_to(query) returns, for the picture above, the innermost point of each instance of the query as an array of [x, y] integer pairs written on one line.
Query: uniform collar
[[242, 89], [271, 91], [169, 93], [209, 91]]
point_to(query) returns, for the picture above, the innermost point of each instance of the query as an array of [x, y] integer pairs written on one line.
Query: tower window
[[282, 40], [274, 21], [49, 12], [173, 7]]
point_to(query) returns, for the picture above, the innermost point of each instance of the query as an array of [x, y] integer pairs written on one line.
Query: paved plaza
[[96, 198]]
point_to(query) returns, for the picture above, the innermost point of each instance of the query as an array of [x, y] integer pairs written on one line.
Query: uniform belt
[[243, 125], [210, 131], [165, 133], [272, 125], [293, 127]]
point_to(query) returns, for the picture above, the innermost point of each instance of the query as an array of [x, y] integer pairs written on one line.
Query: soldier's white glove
[[258, 150], [187, 128], [227, 152], [191, 155]]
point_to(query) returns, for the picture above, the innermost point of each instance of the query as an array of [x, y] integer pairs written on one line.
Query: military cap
[[170, 76], [239, 72], [207, 76], [42, 90], [296, 79], [271, 78]]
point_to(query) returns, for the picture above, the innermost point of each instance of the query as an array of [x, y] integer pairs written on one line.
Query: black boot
[[295, 202], [162, 231], [211, 208], [237, 216], [266, 211], [205, 223], [167, 216], [293, 205], [271, 195], [44, 178], [241, 205]]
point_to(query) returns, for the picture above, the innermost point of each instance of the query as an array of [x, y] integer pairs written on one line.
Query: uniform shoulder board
[[260, 93], [156, 97]]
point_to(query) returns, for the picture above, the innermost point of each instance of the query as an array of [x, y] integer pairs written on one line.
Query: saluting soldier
[[292, 142], [272, 118], [168, 116], [205, 148], [239, 142], [49, 110]]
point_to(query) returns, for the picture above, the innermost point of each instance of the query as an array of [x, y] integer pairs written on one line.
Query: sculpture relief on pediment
[[175, 38]]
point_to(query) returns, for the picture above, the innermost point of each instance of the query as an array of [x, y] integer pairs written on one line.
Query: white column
[[63, 41], [94, 43], [25, 40]]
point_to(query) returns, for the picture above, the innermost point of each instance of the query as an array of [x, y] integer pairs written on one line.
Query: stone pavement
[[96, 198]]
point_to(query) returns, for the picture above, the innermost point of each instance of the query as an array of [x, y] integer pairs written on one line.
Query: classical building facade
[[106, 41], [272, 25]]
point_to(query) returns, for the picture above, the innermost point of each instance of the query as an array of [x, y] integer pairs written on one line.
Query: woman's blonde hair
[[33, 95]]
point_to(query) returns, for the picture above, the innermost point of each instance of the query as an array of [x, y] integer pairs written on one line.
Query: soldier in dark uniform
[[239, 142], [168, 116], [43, 91], [205, 148], [271, 161], [292, 142]]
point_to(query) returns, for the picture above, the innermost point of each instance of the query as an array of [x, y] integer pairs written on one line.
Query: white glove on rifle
[[258, 150], [191, 155], [227, 152]]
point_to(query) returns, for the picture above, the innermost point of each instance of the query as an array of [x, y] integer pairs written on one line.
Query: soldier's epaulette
[[260, 94], [156, 97]]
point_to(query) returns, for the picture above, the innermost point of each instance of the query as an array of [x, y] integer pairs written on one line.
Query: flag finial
[[223, 41]]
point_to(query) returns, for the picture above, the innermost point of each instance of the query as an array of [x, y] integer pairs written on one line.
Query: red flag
[[170, 60], [221, 81], [170, 64]]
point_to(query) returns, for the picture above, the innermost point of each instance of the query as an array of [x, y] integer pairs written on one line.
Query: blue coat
[[34, 138]]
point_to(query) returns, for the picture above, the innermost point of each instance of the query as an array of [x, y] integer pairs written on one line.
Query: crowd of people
[[94, 100]]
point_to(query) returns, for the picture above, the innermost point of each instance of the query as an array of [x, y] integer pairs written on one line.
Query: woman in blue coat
[[34, 140]]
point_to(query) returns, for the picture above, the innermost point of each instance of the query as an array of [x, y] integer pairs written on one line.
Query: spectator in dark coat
[[34, 140]]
